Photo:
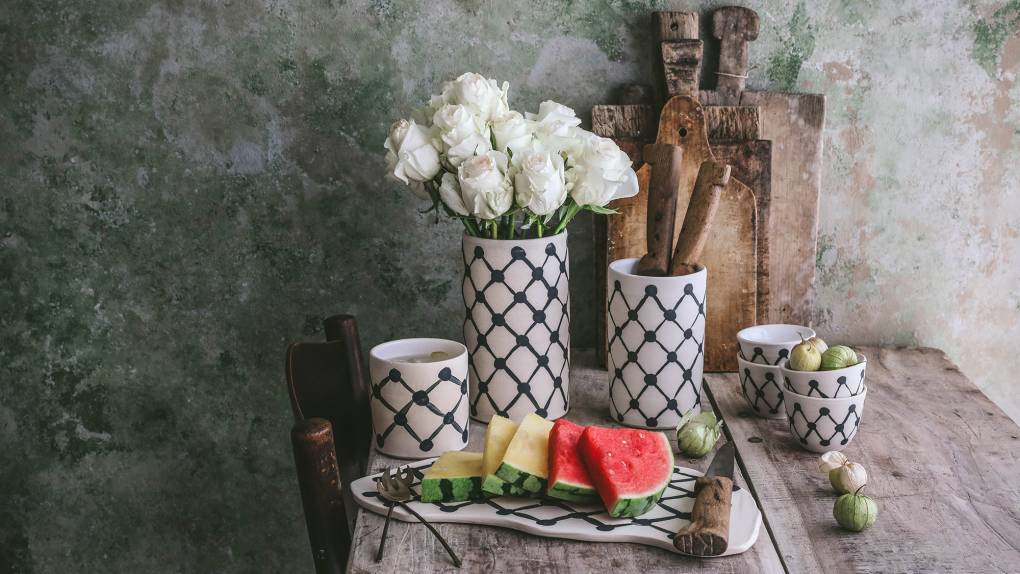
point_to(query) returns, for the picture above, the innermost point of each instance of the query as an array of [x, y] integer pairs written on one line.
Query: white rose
[[539, 183], [484, 97], [554, 119], [484, 187], [410, 155], [462, 135], [600, 172], [512, 132], [449, 192]]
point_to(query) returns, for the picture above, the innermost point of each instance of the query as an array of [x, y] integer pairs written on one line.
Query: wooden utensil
[[793, 122], [665, 164], [709, 531], [712, 178]]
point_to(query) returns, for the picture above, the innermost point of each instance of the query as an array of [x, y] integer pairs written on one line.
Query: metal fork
[[397, 489]]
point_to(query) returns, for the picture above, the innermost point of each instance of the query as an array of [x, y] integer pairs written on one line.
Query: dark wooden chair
[[329, 396]]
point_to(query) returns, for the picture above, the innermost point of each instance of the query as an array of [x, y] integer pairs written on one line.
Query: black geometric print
[[665, 317], [545, 302], [553, 511], [803, 425], [758, 356], [843, 388], [420, 401], [766, 396]]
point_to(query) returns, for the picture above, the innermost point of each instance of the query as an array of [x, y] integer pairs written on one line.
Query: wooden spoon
[[712, 178], [665, 161]]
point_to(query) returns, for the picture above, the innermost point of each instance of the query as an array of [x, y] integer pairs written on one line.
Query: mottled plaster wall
[[185, 186]]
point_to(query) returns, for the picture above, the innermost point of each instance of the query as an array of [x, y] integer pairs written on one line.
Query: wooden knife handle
[[712, 178], [709, 531], [665, 160]]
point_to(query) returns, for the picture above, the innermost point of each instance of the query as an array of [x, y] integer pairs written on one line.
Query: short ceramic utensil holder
[[419, 400], [656, 331], [517, 328]]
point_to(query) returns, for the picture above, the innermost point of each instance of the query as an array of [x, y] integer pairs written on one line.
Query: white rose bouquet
[[505, 175]]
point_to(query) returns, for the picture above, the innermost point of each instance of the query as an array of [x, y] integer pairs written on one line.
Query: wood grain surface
[[489, 549], [943, 465]]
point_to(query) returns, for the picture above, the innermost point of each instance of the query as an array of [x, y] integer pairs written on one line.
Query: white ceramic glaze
[[827, 384], [656, 336], [578, 521], [517, 326], [419, 409], [821, 425], [762, 387], [770, 344]]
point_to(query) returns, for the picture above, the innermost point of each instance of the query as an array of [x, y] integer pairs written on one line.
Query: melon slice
[[568, 478], [526, 462], [498, 435], [453, 477], [630, 467]]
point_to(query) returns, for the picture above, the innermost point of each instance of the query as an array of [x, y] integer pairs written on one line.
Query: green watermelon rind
[[572, 492], [451, 489], [636, 504], [496, 486], [521, 479]]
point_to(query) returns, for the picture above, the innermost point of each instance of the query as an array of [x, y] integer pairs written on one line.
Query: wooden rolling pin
[[712, 178], [665, 162]]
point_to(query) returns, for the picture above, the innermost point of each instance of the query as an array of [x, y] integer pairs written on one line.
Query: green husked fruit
[[838, 357], [855, 512], [805, 357], [819, 344]]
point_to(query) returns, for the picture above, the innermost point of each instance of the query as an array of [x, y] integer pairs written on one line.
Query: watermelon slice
[[568, 478], [455, 476], [526, 462], [630, 467], [498, 435]]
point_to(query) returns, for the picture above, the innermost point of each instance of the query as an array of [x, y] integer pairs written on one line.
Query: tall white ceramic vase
[[517, 326]]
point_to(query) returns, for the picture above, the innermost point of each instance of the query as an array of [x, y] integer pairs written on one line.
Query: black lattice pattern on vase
[[555, 303], [758, 394], [420, 402], [667, 316], [758, 356], [844, 428], [675, 504]]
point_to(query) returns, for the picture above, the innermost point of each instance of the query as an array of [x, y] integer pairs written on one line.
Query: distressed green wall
[[185, 186]]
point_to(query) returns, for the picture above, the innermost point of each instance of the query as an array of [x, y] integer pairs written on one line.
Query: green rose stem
[[513, 224], [494, 229], [572, 210]]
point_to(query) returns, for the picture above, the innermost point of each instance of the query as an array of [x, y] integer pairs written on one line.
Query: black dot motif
[[670, 514], [667, 336], [765, 396], [828, 427], [844, 387], [429, 420], [518, 333], [758, 356]]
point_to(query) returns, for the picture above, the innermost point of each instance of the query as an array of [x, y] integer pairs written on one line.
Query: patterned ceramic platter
[[577, 521]]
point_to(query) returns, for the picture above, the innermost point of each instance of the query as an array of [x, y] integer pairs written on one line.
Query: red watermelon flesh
[[568, 477], [630, 468]]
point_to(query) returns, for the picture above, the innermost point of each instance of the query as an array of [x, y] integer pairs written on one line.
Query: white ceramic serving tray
[[577, 521]]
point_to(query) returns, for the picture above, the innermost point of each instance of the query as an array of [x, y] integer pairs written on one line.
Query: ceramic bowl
[[826, 384], [821, 425], [761, 386], [770, 344]]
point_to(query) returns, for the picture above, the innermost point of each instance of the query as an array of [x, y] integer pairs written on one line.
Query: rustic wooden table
[[944, 466]]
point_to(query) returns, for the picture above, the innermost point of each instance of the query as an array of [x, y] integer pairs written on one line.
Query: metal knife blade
[[722, 464]]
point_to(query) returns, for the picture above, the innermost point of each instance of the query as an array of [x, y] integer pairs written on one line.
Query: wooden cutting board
[[793, 123]]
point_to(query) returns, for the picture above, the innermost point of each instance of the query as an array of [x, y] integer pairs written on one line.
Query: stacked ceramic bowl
[[763, 348], [825, 407]]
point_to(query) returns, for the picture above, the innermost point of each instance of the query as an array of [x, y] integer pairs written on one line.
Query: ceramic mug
[[821, 425], [770, 344], [656, 332], [761, 386], [419, 397], [845, 382]]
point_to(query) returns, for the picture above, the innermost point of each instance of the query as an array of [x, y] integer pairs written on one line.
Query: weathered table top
[[943, 461]]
